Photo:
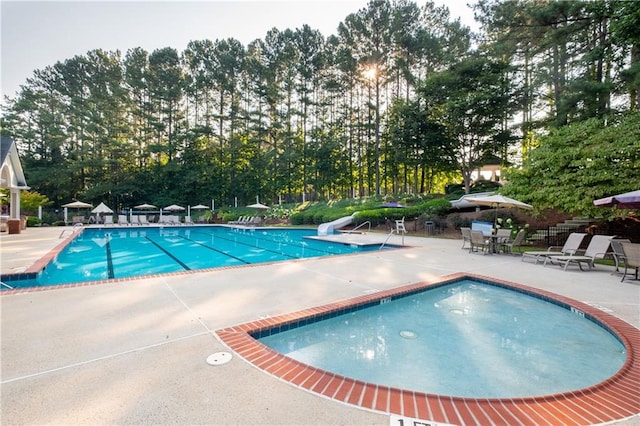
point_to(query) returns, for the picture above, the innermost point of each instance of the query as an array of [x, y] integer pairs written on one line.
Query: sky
[[36, 34]]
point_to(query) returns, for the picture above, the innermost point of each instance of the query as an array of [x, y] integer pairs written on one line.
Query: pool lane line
[[215, 249], [297, 244], [110, 273], [243, 244], [292, 243], [178, 261]]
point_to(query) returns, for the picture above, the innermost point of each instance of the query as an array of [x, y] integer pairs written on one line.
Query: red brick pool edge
[[613, 399]]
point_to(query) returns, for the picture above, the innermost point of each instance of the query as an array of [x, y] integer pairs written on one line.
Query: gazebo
[[11, 178]]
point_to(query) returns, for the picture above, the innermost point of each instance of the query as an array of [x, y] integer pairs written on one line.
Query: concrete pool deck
[[135, 351]]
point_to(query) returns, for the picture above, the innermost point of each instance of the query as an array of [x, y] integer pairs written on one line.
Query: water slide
[[327, 228]]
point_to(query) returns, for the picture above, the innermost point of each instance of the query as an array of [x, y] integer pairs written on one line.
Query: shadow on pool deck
[[135, 351]]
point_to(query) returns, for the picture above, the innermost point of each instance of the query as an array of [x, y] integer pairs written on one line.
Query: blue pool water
[[466, 339], [100, 254]]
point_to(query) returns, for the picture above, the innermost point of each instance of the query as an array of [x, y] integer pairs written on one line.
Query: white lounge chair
[[108, 220], [570, 246], [597, 249], [123, 220], [142, 219], [188, 220]]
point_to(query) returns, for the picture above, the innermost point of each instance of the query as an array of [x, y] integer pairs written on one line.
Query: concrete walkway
[[135, 352]]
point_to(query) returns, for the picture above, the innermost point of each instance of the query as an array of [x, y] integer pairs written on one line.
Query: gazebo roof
[[9, 158]]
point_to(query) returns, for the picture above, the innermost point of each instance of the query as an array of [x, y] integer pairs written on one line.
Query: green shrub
[[33, 221]]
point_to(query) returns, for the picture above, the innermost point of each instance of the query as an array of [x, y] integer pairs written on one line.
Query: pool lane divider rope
[[178, 261]]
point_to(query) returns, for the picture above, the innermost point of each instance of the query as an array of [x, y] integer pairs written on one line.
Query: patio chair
[[503, 235], [188, 220], [516, 242], [570, 246], [466, 235], [479, 241], [142, 219], [631, 258], [597, 249], [123, 220], [108, 220], [617, 252]]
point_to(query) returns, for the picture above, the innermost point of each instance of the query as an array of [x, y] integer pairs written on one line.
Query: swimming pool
[[612, 398], [465, 339], [112, 253]]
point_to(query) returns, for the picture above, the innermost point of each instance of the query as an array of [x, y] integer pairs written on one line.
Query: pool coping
[[613, 399]]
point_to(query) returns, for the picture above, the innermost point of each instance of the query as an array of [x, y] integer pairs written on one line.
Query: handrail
[[6, 285], [387, 239], [361, 225]]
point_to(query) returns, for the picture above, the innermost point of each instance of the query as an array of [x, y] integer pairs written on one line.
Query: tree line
[[402, 99]]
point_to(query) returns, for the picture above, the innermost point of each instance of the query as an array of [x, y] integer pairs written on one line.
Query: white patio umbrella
[[199, 207], [75, 205], [145, 206], [78, 205], [101, 208], [173, 208], [258, 206], [499, 201]]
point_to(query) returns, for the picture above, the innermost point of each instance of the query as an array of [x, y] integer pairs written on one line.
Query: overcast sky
[[36, 34]]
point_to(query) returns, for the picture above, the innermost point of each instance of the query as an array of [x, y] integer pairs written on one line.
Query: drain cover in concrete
[[219, 358]]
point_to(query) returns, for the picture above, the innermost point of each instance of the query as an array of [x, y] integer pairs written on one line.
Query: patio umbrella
[[498, 201], [78, 205], [199, 207], [145, 207], [258, 206], [628, 200], [102, 208], [75, 205], [392, 205], [173, 208]]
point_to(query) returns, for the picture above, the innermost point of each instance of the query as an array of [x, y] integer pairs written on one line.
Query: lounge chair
[[466, 235], [570, 246], [188, 220], [516, 242], [142, 219], [631, 258], [618, 252], [479, 241], [108, 220], [597, 249], [256, 220], [122, 220], [237, 221]]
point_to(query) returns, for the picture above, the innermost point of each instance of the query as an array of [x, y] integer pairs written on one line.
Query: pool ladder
[[400, 229]]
